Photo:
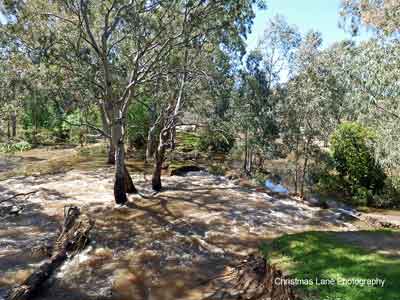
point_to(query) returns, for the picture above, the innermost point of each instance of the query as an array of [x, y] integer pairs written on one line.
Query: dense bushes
[[220, 141], [15, 147], [353, 154], [352, 147]]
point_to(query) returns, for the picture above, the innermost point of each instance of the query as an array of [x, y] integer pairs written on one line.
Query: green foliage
[[15, 147], [216, 170], [324, 255], [353, 154], [187, 141], [138, 124], [390, 195], [220, 141]]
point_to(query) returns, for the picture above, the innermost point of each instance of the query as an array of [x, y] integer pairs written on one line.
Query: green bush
[[390, 195], [216, 170], [216, 141], [15, 147], [353, 155]]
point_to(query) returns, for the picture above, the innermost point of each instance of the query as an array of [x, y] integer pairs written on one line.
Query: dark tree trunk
[[9, 129], [120, 169], [13, 117], [111, 153], [159, 159], [129, 186], [119, 184]]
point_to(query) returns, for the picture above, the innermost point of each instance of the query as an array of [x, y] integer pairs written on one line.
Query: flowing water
[[162, 246]]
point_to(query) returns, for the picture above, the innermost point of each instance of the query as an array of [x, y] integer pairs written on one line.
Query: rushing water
[[159, 247]]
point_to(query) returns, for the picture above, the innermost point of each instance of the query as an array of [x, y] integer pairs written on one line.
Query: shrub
[[390, 195], [216, 170], [216, 141], [353, 155], [15, 147]]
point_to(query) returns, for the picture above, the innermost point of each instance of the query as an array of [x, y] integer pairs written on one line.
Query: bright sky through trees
[[321, 15]]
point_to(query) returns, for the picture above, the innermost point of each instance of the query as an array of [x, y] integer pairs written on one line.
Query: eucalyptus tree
[[259, 92], [372, 77], [315, 104], [192, 64], [380, 15], [374, 70], [129, 42]]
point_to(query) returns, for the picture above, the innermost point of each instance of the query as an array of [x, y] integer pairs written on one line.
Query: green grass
[[187, 141], [323, 255]]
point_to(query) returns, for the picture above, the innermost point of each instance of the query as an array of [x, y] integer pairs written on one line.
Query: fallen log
[[73, 238], [17, 195], [255, 279]]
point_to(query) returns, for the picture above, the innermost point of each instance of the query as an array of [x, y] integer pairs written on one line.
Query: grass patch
[[187, 141], [323, 255]]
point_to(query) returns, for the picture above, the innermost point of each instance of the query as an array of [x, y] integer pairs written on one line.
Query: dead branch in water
[[18, 195], [73, 238]]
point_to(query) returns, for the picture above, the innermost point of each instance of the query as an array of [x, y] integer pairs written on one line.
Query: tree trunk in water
[[13, 117], [111, 153], [129, 186], [119, 185], [159, 159], [120, 169]]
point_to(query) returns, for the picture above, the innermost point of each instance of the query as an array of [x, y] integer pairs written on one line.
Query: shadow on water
[[158, 247]]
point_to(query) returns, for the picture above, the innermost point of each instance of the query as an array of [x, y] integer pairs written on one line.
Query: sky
[[320, 15]]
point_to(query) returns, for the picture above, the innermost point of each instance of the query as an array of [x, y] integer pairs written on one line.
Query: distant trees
[[382, 16], [118, 47]]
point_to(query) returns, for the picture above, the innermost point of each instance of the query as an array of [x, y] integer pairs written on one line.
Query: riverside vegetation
[[153, 120]]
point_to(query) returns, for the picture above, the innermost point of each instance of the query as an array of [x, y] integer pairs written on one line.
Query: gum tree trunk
[[120, 169], [129, 186], [106, 128], [123, 182], [150, 143], [111, 153], [159, 160]]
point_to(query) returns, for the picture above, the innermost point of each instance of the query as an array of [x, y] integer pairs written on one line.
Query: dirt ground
[[163, 246]]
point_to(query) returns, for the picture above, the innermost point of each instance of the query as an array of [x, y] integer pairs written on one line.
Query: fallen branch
[[18, 195], [73, 238]]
